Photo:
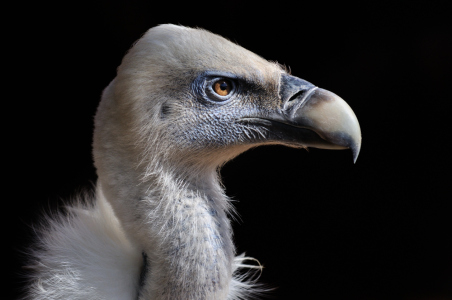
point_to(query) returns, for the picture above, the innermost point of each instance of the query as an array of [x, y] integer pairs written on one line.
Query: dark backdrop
[[322, 226]]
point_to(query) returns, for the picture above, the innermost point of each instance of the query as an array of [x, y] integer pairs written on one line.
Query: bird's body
[[184, 102]]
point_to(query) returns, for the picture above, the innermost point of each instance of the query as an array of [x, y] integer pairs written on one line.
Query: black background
[[322, 226]]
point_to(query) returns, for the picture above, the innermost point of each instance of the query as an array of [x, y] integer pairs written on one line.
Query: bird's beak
[[316, 117]]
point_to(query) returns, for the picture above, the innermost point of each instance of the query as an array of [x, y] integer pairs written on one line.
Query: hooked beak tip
[[355, 151]]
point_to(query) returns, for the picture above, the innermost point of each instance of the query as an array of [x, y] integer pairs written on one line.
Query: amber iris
[[222, 87]]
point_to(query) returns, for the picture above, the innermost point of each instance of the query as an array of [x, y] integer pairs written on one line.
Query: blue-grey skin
[[255, 114]]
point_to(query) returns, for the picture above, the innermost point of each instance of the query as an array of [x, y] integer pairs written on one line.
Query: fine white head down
[[184, 102]]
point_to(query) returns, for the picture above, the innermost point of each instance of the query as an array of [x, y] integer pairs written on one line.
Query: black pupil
[[223, 85]]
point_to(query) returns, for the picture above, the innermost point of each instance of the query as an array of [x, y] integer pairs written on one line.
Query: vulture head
[[184, 102]]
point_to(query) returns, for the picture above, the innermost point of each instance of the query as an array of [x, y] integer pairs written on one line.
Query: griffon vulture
[[184, 102]]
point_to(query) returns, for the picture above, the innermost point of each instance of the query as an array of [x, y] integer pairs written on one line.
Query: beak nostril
[[296, 95]]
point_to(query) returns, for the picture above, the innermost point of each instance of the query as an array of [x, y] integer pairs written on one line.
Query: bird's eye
[[219, 89], [222, 87]]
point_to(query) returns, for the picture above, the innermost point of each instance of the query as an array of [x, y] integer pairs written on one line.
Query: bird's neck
[[183, 230], [193, 259]]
